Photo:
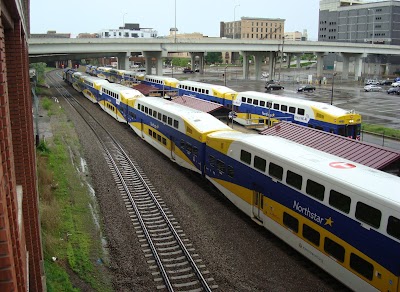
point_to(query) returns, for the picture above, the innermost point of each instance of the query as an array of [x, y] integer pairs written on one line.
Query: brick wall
[[18, 242]]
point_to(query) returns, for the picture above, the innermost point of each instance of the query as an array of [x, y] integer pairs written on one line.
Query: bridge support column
[[358, 66], [345, 68], [123, 61], [258, 60], [320, 64], [298, 60], [288, 60], [245, 56], [153, 56], [271, 65], [200, 57]]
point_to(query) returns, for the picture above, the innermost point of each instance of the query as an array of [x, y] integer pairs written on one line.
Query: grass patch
[[69, 232], [381, 130]]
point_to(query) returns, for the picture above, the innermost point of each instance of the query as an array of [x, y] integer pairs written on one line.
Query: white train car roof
[[292, 101], [219, 88], [94, 79], [161, 78], [127, 92], [382, 186], [201, 121]]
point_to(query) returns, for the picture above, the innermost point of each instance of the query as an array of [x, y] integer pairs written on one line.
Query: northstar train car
[[256, 107]]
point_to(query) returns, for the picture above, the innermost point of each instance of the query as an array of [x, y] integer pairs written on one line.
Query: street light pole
[[280, 63], [175, 25], [225, 75], [123, 19], [234, 19], [373, 24], [333, 81]]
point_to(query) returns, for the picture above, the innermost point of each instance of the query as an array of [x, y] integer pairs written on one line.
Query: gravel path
[[240, 255]]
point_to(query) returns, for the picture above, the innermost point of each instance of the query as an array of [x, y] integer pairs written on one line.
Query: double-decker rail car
[[177, 131], [115, 100], [103, 72], [91, 87], [215, 93], [160, 82], [343, 216], [67, 75], [77, 80], [257, 107]]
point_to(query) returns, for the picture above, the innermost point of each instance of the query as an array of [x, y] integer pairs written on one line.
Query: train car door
[[172, 148], [258, 205], [142, 128]]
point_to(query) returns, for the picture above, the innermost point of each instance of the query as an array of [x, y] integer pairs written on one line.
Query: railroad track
[[174, 264]]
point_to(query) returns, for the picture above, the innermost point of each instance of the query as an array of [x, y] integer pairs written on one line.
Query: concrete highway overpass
[[47, 49]]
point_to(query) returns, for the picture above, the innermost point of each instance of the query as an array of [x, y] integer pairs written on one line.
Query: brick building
[[21, 257]]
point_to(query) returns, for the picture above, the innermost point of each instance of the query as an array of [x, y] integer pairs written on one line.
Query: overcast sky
[[204, 16]]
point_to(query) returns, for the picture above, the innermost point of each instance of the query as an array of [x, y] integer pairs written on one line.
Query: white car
[[371, 82], [396, 84], [372, 88]]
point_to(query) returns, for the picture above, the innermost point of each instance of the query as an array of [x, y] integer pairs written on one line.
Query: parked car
[[274, 86], [385, 82], [371, 82], [394, 90], [197, 70], [187, 70], [306, 88], [396, 84], [270, 82], [372, 87]]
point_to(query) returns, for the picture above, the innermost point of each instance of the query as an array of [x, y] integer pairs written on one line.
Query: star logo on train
[[328, 221]]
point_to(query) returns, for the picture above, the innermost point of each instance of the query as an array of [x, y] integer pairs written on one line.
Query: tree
[[213, 57], [40, 68]]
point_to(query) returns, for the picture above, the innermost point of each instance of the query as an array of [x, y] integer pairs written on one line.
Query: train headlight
[[351, 121]]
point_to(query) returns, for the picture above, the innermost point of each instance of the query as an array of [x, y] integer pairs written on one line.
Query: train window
[[189, 147], [159, 138], [275, 171], [262, 103], [260, 163], [334, 249], [341, 131], [255, 102], [319, 128], [300, 111], [269, 104], [176, 124], [293, 179], [292, 109], [164, 118], [150, 112], [146, 109], [245, 156], [393, 227], [169, 121], [284, 108], [183, 144], [142, 108], [339, 201], [159, 115], [230, 171], [164, 141], [195, 150], [276, 106], [368, 214], [221, 166], [361, 266], [311, 234], [150, 133], [212, 160], [154, 135], [315, 189], [154, 114], [291, 222], [249, 100]]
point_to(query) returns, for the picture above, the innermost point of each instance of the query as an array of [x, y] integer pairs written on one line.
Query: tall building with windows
[[253, 28], [359, 21]]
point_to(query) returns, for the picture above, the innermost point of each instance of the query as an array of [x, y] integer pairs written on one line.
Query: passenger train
[[256, 108], [343, 216]]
